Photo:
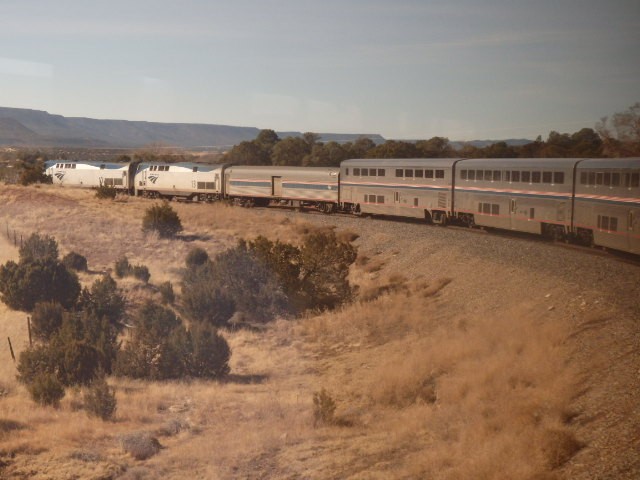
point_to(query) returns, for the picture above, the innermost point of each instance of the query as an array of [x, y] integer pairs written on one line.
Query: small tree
[[75, 261], [100, 399], [38, 247], [196, 257], [46, 389], [211, 352], [46, 319], [162, 219]]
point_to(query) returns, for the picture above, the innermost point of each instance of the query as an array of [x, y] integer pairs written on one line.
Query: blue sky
[[404, 69]]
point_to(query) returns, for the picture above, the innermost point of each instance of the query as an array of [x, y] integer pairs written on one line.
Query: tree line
[[615, 136]]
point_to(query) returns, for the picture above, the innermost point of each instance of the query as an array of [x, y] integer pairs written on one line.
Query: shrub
[[161, 348], [104, 300], [34, 362], [141, 272], [324, 408], [106, 192], [140, 445], [38, 247], [34, 174], [196, 257], [75, 261], [46, 390], [100, 399], [162, 219], [46, 319], [166, 291], [122, 267], [27, 283], [211, 353]]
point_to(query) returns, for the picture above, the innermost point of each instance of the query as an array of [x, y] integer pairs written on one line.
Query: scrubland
[[464, 356]]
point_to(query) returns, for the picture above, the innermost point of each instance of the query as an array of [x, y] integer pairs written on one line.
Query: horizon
[[403, 70]]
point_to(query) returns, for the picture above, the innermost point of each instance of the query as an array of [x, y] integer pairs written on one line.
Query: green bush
[[100, 399], [46, 390], [167, 293], [196, 257], [104, 300], [162, 219], [161, 348], [25, 284], [38, 247], [106, 192], [141, 272], [46, 319], [122, 267], [34, 174], [75, 261]]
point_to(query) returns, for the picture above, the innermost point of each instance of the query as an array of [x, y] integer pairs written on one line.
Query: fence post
[[29, 328], [11, 349]]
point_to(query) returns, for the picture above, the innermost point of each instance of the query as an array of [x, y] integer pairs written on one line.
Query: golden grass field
[[444, 370]]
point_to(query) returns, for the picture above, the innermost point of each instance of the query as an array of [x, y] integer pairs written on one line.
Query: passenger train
[[592, 201]]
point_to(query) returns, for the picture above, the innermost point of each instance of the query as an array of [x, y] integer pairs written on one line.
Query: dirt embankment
[[467, 356]]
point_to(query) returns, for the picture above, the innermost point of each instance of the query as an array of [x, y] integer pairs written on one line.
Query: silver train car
[[607, 203], [531, 195], [185, 181], [316, 187], [90, 174], [418, 188]]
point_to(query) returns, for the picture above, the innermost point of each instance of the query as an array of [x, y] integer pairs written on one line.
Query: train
[[594, 201]]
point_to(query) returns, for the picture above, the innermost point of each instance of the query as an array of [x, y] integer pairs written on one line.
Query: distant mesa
[[37, 128]]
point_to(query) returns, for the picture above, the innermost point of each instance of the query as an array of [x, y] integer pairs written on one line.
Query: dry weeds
[[447, 374]]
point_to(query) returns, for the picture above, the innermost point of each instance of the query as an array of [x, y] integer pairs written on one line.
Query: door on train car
[[633, 230], [276, 186]]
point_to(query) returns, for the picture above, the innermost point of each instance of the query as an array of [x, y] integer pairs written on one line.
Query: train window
[[419, 173], [364, 172], [535, 177], [380, 199], [356, 172], [607, 223], [472, 174], [373, 172], [584, 179], [592, 178], [428, 174], [526, 177], [607, 179], [439, 173], [399, 172], [463, 174], [117, 181], [488, 175], [635, 180], [558, 178], [599, 178], [346, 171], [415, 202], [73, 165], [102, 167], [497, 175], [495, 209], [547, 177], [507, 175], [153, 168], [515, 176], [381, 172], [195, 169], [486, 208], [615, 179], [108, 182], [67, 165], [532, 213], [408, 173], [479, 174]]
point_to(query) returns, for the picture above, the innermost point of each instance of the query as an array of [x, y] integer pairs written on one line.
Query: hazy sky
[[404, 69]]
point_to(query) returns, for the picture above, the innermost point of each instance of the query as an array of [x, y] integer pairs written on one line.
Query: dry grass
[[429, 378]]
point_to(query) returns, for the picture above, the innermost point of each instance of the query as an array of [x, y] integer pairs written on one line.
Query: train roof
[[107, 165], [518, 163], [400, 162], [619, 163], [187, 165], [281, 169]]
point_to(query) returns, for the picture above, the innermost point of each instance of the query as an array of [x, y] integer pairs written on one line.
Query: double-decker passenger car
[[418, 187], [189, 181], [524, 194], [294, 186], [607, 203], [90, 174]]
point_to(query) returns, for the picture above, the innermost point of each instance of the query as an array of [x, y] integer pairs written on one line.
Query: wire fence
[[14, 236]]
